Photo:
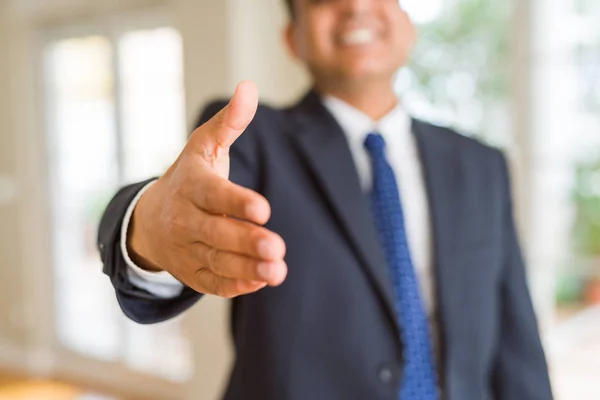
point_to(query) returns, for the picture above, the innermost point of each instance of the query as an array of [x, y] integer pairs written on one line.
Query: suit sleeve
[[138, 304], [521, 371]]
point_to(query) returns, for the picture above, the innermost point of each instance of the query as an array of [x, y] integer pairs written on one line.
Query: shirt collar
[[357, 125]]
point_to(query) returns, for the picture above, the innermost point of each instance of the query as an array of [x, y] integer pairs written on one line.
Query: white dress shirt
[[403, 157]]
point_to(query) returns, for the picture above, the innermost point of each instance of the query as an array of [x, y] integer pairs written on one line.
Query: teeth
[[358, 36]]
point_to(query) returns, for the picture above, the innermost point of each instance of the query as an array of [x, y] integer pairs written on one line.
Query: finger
[[220, 196], [224, 128], [209, 283], [232, 265], [236, 236]]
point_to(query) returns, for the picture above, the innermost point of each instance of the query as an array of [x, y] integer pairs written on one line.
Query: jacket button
[[385, 374]]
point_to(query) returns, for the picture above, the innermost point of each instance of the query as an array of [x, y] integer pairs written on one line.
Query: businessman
[[368, 255]]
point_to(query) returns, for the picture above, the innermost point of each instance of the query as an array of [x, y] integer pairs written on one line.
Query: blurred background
[[96, 93]]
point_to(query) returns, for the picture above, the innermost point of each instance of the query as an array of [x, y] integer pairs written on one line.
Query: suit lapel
[[442, 166], [325, 149]]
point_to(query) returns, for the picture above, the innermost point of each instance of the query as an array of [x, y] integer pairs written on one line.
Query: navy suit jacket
[[329, 331]]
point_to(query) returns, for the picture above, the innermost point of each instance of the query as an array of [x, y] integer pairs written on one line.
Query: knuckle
[[254, 236], [221, 289], [216, 286], [212, 259], [202, 145], [236, 289], [218, 290], [202, 282], [220, 116]]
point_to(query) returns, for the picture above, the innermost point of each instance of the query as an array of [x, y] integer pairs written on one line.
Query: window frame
[[58, 360]]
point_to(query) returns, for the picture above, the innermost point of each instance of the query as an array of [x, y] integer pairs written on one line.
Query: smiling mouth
[[358, 37]]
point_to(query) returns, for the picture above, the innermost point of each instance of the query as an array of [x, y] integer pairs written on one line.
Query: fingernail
[[254, 211], [279, 274], [264, 270], [264, 248]]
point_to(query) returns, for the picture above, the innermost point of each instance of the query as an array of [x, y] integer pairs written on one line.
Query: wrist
[[140, 250]]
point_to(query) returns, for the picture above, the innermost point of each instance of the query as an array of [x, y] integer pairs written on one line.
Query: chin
[[363, 71]]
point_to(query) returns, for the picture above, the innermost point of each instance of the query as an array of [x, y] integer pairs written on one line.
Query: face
[[351, 40]]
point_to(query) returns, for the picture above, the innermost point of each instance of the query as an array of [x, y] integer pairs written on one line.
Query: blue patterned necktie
[[419, 377]]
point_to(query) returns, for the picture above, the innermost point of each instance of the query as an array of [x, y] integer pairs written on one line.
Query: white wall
[[10, 297], [258, 53], [229, 41]]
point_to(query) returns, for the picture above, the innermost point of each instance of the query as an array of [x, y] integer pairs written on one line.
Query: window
[[460, 75], [115, 115], [566, 200]]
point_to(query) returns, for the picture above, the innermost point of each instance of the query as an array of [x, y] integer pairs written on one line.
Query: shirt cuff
[[160, 284]]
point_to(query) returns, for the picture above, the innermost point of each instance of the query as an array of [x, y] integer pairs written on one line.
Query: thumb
[[221, 131]]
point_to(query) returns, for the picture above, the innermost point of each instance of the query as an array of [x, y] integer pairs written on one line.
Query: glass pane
[[459, 73], [83, 173], [460, 76], [153, 120], [152, 100], [568, 158]]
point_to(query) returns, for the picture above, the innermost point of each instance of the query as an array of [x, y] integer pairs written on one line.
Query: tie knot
[[375, 144]]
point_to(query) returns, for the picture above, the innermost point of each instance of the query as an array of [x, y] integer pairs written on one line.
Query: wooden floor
[[15, 389]]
